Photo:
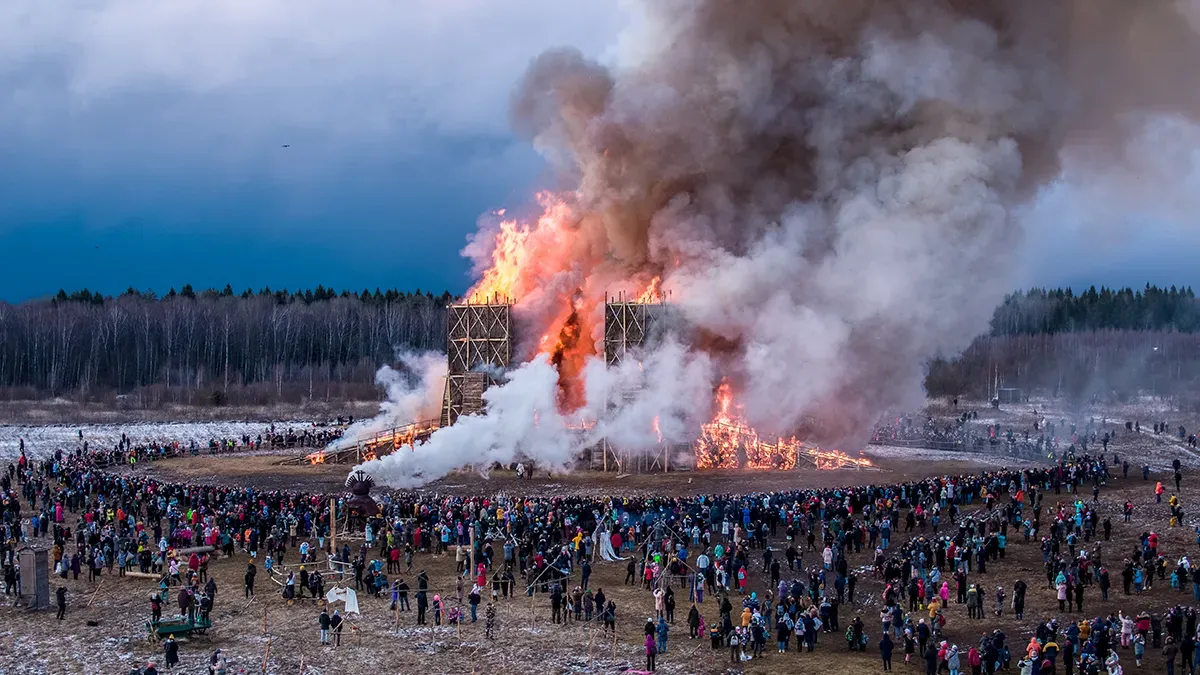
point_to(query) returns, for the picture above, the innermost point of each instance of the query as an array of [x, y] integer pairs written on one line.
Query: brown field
[[527, 642]]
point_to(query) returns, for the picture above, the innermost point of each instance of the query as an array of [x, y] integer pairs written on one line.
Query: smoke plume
[[413, 393], [827, 187]]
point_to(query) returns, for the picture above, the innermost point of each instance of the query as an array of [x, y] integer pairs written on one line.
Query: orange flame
[[317, 457], [657, 430], [523, 255], [652, 292], [723, 441]]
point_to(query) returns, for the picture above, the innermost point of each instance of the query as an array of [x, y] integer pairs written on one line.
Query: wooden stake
[[264, 620], [591, 639], [98, 587], [614, 642], [471, 557], [302, 663], [266, 655], [332, 530]]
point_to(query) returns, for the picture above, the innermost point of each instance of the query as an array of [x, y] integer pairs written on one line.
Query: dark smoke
[[828, 184]]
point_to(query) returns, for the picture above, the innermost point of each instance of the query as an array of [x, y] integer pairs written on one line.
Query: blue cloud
[[141, 142]]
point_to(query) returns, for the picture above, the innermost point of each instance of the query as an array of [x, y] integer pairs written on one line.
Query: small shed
[[34, 588], [1010, 395]]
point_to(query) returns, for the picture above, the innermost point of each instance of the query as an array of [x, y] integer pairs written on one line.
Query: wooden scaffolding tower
[[628, 326], [479, 349]]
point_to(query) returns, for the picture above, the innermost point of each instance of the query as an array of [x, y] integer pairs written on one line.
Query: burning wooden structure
[[630, 325], [479, 341], [369, 445]]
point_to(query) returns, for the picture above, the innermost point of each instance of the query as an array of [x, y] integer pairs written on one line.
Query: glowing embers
[[727, 442], [834, 459], [317, 457]]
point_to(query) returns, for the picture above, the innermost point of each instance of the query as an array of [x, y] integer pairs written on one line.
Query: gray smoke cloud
[[829, 187]]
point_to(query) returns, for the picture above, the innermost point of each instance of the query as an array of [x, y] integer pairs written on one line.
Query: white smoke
[[522, 422], [413, 393], [669, 387]]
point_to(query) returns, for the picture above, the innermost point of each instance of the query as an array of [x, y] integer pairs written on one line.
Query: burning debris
[[371, 447], [826, 189], [727, 442]]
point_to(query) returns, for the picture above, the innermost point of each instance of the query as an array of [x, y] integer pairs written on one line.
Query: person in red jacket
[[975, 660]]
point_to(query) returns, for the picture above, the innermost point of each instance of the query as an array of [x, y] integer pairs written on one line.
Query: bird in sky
[[287, 146]]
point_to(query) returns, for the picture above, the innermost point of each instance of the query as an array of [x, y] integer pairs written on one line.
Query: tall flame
[[521, 255], [652, 292]]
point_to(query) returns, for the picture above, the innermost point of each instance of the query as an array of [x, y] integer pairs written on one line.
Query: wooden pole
[[591, 640], [98, 587], [266, 655], [264, 619], [614, 641], [301, 663], [471, 557], [332, 529]]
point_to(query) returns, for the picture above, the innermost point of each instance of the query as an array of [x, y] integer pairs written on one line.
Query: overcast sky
[[141, 145]]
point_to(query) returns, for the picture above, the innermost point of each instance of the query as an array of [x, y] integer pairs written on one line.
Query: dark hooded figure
[[171, 651], [693, 622]]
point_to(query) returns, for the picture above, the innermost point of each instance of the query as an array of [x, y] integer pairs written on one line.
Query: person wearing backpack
[[651, 651]]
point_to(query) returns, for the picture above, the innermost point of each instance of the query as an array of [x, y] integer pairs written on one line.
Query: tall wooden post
[[332, 529], [471, 557], [591, 640]]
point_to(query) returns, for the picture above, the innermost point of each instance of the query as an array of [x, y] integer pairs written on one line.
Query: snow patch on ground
[[42, 441], [895, 452]]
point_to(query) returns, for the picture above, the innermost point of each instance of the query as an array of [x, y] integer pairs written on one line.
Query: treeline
[[214, 345], [270, 346], [283, 297], [1077, 366], [1041, 311]]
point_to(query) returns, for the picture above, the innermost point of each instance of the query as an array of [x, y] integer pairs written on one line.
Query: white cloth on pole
[[606, 548], [346, 595]]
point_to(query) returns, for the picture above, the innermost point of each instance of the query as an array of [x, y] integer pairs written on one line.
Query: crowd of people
[[129, 451], [1040, 439], [951, 534]]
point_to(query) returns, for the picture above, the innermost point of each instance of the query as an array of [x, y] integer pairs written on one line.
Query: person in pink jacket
[[651, 650]]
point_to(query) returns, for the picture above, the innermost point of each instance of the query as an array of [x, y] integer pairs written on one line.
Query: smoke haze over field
[[827, 187], [413, 393]]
